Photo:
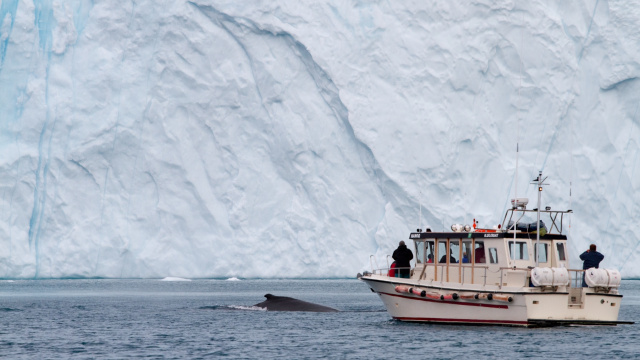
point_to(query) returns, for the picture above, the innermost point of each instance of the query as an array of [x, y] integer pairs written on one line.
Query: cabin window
[[454, 252], [479, 253], [466, 252], [442, 250], [429, 251], [493, 255], [543, 253], [419, 252], [518, 250], [560, 247]]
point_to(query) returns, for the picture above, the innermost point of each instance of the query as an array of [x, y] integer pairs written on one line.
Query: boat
[[515, 274]]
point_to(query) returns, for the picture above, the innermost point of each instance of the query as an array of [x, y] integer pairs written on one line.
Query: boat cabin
[[499, 257]]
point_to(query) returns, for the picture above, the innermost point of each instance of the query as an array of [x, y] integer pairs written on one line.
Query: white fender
[[602, 278], [545, 276]]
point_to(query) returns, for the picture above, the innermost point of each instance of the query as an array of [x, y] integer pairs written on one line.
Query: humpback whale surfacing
[[284, 303]]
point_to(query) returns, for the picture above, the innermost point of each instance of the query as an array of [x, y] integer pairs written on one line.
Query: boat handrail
[[553, 216], [576, 279], [442, 267], [385, 271], [515, 268], [371, 263]]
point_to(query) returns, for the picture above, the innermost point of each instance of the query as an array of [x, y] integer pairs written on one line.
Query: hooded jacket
[[402, 255]]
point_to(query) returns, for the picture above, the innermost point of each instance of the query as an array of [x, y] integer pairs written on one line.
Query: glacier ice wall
[[294, 139]]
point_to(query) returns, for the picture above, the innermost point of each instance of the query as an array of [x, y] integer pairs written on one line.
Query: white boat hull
[[524, 309]]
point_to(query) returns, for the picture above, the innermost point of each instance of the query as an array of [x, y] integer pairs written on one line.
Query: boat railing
[[555, 218], [442, 267], [471, 270], [385, 271], [377, 269], [468, 269], [372, 258], [576, 277]]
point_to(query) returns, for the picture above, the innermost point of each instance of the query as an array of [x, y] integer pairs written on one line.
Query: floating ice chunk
[[171, 278]]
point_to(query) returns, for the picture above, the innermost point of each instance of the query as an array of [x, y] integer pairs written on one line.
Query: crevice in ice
[[223, 21], [619, 83], [75, 162], [155, 186], [81, 14], [566, 109], [586, 36], [44, 22], [7, 9], [329, 92]]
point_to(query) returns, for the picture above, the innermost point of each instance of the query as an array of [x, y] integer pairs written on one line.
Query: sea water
[[111, 319]]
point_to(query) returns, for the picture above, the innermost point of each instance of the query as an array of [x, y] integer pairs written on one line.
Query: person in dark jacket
[[402, 255], [591, 259]]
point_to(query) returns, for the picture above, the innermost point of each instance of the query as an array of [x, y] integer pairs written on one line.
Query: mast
[[539, 181], [420, 216], [512, 256]]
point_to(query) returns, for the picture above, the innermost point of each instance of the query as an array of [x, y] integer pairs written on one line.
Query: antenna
[[515, 223], [540, 182], [570, 174], [515, 195], [420, 216]]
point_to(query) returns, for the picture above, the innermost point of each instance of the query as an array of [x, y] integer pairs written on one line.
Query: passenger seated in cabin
[[402, 255], [480, 259], [430, 258], [452, 260], [465, 258]]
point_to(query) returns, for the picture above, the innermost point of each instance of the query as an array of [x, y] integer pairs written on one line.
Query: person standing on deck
[[591, 259], [402, 255]]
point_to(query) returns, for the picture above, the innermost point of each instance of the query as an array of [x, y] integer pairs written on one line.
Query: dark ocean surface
[[114, 319]]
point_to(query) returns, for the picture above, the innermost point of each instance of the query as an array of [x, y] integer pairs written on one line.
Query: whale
[[284, 303]]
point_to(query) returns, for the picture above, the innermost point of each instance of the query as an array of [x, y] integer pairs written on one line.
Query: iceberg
[[217, 139]]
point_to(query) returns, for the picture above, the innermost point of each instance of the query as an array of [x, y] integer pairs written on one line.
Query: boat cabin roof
[[553, 226], [483, 235]]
